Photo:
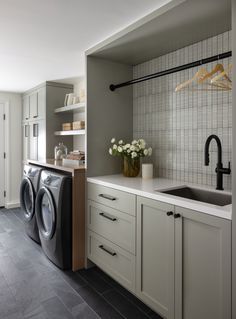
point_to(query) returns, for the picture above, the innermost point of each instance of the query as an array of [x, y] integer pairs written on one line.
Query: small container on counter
[[147, 171]]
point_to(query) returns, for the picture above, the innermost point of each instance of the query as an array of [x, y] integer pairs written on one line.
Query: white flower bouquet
[[131, 152], [137, 148]]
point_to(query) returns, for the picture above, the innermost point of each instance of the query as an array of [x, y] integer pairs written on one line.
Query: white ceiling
[[46, 39]]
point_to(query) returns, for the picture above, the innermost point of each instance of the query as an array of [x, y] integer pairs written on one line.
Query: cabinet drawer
[[115, 261], [111, 197], [113, 225]]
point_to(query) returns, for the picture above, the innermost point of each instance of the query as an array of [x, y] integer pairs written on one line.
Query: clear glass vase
[[131, 166], [60, 151]]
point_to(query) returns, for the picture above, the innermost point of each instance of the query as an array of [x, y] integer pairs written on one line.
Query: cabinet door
[[26, 108], [34, 105], [34, 127], [41, 132], [203, 266], [25, 135], [155, 255], [41, 103]]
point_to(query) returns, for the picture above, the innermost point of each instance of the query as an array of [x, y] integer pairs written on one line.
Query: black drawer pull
[[107, 251], [113, 219], [169, 213], [35, 116], [177, 215], [109, 197]]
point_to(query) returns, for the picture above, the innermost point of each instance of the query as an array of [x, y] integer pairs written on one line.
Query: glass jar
[[131, 166], [60, 151]]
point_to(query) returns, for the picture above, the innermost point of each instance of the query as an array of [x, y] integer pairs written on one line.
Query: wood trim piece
[[57, 165], [78, 220]]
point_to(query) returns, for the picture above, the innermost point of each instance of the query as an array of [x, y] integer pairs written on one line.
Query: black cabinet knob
[[169, 213], [177, 215]]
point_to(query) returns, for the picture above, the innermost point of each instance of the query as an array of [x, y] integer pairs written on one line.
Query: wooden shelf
[[75, 108], [72, 132]]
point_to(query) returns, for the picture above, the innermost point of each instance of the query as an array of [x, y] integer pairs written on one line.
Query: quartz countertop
[[151, 189], [56, 164]]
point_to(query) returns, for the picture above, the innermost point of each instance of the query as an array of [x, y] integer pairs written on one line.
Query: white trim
[[12, 205], [6, 148]]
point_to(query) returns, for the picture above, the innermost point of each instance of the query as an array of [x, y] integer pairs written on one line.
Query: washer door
[[27, 198], [45, 213]]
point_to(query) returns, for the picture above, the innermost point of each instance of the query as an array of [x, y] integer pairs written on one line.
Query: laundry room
[[117, 159]]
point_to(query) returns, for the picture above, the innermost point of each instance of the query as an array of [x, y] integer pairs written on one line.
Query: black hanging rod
[[217, 57]]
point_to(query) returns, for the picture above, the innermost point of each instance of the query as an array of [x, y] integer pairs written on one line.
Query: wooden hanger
[[223, 79], [218, 68], [197, 77], [202, 77]]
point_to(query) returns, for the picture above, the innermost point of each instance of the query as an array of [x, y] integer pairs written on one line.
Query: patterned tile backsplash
[[177, 125]]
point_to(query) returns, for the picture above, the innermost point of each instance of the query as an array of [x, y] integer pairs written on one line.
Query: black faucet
[[220, 170]]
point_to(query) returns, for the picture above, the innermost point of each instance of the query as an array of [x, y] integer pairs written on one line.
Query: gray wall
[[109, 114], [176, 125]]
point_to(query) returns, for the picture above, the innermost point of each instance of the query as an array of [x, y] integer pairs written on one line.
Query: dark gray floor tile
[[31, 287], [154, 315], [55, 309], [37, 312], [8, 305], [124, 306], [98, 303], [138, 303], [97, 282], [74, 280], [16, 315], [83, 311]]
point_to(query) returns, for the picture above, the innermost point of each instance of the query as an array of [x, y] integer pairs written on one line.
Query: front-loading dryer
[[54, 217], [28, 191]]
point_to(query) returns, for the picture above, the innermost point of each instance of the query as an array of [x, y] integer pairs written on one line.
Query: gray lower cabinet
[[155, 256], [183, 261], [202, 266]]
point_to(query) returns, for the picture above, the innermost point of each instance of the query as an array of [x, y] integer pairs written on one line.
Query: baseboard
[[12, 205]]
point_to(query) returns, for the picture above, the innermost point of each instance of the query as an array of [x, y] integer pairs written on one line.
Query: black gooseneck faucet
[[220, 170]]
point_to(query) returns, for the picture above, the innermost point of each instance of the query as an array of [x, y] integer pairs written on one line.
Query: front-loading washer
[[28, 191], [54, 217]]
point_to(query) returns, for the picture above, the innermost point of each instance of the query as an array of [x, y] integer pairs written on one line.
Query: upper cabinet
[[40, 122], [26, 108], [33, 102]]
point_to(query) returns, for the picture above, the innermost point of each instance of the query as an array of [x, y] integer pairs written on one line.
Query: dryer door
[[27, 198], [45, 213]]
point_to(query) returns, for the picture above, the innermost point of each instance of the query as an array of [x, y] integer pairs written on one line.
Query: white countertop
[[151, 189]]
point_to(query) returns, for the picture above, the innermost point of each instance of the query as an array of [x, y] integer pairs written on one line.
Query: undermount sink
[[219, 199]]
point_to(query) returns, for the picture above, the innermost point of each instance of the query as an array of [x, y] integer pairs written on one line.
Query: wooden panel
[[114, 198], [203, 266], [78, 220], [155, 256], [57, 165], [112, 224], [120, 265]]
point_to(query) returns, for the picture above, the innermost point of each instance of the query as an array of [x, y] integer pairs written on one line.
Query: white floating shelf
[[75, 108], [72, 132]]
